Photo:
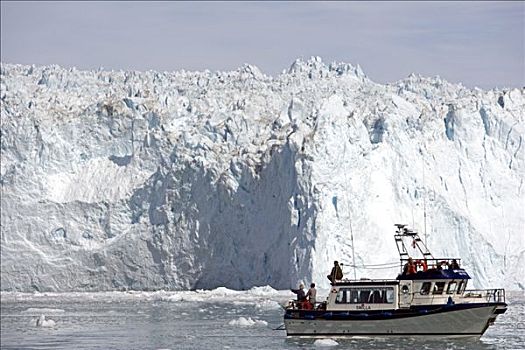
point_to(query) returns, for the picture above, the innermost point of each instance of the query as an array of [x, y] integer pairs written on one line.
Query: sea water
[[218, 319]]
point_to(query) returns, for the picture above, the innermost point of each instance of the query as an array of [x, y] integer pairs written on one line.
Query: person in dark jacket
[[453, 265], [301, 296], [336, 273]]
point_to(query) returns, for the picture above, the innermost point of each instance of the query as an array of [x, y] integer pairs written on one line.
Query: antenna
[[424, 199], [402, 233], [352, 240], [350, 217]]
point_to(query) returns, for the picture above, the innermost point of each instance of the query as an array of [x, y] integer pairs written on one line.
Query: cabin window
[[461, 287], [425, 288], [354, 296], [390, 295], [451, 288], [363, 296], [378, 295], [438, 288], [343, 296]]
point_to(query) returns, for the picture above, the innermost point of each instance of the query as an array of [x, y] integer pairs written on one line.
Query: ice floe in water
[[42, 321], [268, 305], [325, 342], [40, 311], [247, 322], [256, 296]]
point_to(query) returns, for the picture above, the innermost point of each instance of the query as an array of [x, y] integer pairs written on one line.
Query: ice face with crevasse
[[191, 180]]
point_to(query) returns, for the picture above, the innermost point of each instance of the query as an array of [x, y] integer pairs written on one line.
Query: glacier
[[124, 180]]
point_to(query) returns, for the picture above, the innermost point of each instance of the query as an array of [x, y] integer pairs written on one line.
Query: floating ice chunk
[[247, 322], [42, 322], [40, 311], [220, 291], [268, 305], [325, 342], [263, 290]]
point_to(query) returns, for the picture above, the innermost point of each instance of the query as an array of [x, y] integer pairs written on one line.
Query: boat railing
[[489, 295], [305, 305], [433, 263]]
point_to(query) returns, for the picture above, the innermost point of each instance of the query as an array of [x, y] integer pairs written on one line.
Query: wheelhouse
[[363, 295], [433, 286], [394, 294]]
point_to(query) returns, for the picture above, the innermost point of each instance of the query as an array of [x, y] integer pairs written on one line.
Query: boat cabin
[[422, 288], [422, 281], [363, 295], [434, 285]]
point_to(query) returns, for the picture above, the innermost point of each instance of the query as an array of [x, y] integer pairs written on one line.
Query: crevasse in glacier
[[185, 180]]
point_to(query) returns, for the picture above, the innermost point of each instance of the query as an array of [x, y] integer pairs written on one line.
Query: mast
[[403, 233], [350, 216], [424, 202], [352, 240]]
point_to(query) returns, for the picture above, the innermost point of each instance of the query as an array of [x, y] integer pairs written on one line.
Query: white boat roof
[[366, 282]]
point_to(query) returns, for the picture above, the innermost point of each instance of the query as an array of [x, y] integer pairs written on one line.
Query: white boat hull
[[471, 322]]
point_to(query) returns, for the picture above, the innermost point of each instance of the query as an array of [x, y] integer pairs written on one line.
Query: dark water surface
[[219, 319]]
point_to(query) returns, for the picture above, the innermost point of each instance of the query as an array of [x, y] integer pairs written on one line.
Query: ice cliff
[[183, 180]]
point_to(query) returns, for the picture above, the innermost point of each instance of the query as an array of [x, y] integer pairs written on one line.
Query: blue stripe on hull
[[414, 311], [384, 334]]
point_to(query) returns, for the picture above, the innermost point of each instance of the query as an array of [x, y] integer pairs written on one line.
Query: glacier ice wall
[[184, 180]]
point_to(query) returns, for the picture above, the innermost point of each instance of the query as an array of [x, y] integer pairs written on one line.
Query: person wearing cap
[[336, 273]]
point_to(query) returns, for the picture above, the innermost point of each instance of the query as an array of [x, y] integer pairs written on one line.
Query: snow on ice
[[39, 311], [325, 343], [196, 180], [42, 321], [247, 322], [261, 298]]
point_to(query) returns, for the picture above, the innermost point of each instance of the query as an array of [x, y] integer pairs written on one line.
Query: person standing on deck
[[312, 293], [454, 265], [300, 293], [409, 268]]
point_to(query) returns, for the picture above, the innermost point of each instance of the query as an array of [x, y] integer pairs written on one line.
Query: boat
[[428, 298]]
